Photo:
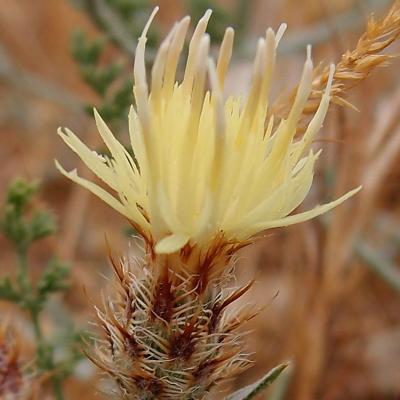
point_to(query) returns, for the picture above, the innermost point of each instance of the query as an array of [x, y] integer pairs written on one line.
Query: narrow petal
[[95, 189], [225, 54], [171, 243], [305, 216], [117, 150], [93, 160], [174, 52], [193, 49]]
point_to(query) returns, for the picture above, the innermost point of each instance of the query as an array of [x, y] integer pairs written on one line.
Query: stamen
[[316, 123], [258, 69], [139, 70], [302, 92], [225, 54], [330, 78], [280, 33], [199, 77], [269, 65], [218, 99], [174, 52], [193, 50], [157, 72]]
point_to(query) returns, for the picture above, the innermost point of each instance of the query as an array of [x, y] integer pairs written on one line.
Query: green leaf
[[12, 222], [85, 51], [21, 192], [252, 390], [7, 290], [42, 224], [281, 387], [13, 226], [54, 279], [15, 222], [70, 344]]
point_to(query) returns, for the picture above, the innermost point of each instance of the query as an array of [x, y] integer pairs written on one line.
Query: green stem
[[23, 274], [22, 260], [57, 388], [36, 325], [44, 360]]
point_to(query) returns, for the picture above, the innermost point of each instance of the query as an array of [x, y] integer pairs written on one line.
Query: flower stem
[[57, 388]]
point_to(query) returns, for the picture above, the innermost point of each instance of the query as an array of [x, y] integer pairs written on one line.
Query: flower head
[[206, 166]]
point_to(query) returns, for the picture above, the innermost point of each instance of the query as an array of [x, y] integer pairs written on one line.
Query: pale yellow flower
[[206, 166]]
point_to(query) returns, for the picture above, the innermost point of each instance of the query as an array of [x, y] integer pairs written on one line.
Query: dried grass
[[354, 67], [369, 153]]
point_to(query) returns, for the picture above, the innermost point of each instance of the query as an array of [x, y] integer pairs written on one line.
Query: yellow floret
[[206, 166]]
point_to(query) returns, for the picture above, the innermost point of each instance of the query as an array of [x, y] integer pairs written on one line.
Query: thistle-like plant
[[206, 176]]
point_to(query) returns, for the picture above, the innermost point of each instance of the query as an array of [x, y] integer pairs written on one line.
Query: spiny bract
[[164, 338]]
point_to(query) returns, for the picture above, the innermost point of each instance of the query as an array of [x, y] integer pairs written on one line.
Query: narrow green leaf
[[7, 290], [20, 192], [386, 269], [252, 390], [42, 224], [54, 279], [281, 387]]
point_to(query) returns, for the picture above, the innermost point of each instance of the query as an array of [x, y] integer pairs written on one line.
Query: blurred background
[[331, 286]]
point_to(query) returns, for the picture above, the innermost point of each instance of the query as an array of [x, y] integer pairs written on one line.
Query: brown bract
[[170, 332]]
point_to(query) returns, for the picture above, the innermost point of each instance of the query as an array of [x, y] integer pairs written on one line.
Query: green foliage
[[15, 226], [116, 96], [249, 392], [22, 224], [84, 51], [71, 342], [53, 280], [7, 290], [22, 229], [121, 22]]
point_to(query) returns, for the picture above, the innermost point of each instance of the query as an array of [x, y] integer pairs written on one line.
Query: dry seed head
[[15, 382], [204, 166], [166, 335]]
